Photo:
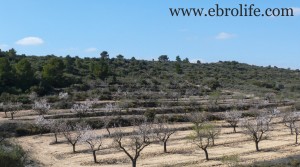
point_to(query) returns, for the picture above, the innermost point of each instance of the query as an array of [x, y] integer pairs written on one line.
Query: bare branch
[[73, 134], [202, 139], [289, 119], [56, 127], [296, 127], [13, 108], [80, 109], [198, 119], [134, 144], [213, 131], [63, 96], [41, 106], [163, 132], [233, 118], [257, 128], [94, 141]]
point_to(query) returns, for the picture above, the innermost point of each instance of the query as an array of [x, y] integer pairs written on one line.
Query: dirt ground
[[279, 144]]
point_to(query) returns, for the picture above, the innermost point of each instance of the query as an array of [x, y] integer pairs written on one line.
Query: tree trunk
[[55, 135], [133, 162], [256, 145], [94, 154], [12, 115], [74, 148], [296, 138], [165, 146], [213, 141], [234, 130], [5, 114], [291, 128], [206, 154], [108, 131]]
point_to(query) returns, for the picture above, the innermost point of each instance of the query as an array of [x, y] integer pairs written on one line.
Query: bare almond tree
[[198, 119], [256, 129], [163, 132], [274, 111], [268, 115], [213, 131], [63, 96], [41, 107], [42, 123], [106, 124], [112, 107], [80, 109], [73, 134], [94, 141], [201, 138], [13, 108], [289, 120], [233, 118], [107, 120], [56, 127], [175, 96], [91, 103], [33, 96], [270, 97], [140, 138], [6, 108], [2, 108], [297, 130]]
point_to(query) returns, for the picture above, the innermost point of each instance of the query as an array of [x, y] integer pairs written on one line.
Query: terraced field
[[181, 152]]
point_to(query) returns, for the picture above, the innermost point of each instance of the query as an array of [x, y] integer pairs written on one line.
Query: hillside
[[134, 99], [107, 77]]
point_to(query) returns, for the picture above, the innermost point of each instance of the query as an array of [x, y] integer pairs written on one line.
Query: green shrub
[[30, 130], [297, 106], [12, 156], [249, 114], [177, 118], [150, 115], [231, 160], [294, 162], [80, 96], [63, 105], [213, 117], [23, 99], [52, 99], [22, 132]]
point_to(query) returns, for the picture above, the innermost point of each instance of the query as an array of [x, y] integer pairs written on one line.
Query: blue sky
[[144, 29]]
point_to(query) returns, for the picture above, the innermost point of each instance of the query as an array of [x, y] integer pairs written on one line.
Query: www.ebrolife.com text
[[240, 11]]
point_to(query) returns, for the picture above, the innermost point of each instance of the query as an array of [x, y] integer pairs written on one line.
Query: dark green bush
[[80, 87], [23, 99], [249, 114], [63, 105], [52, 99], [12, 156], [30, 130], [150, 115], [177, 118], [80, 96], [297, 106], [22, 132], [213, 117]]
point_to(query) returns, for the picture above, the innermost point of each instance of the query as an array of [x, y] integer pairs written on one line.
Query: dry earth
[[279, 144]]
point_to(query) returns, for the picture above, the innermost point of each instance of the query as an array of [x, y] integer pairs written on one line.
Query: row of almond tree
[[146, 133], [160, 130], [42, 107]]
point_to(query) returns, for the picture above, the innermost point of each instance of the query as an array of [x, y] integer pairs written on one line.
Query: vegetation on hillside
[[151, 96], [44, 75]]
